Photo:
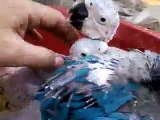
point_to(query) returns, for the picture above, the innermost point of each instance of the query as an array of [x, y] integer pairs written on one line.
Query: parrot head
[[97, 19], [85, 46]]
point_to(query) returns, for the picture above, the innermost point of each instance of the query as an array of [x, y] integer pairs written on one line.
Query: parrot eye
[[102, 20], [83, 54]]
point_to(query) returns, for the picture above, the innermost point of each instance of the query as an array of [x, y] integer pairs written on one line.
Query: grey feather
[[133, 64]]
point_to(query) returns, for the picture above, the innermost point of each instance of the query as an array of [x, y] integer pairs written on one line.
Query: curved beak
[[78, 14]]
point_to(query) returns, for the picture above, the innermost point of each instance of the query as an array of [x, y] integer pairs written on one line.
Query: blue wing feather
[[71, 80]]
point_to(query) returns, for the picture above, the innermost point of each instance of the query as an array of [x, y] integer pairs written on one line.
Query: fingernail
[[59, 61]]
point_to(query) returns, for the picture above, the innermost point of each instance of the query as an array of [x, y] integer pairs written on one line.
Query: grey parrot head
[[78, 14], [96, 19]]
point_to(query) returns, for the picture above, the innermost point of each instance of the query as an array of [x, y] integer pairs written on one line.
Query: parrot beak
[[78, 14]]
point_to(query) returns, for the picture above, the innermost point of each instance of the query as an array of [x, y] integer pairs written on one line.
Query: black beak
[[78, 15]]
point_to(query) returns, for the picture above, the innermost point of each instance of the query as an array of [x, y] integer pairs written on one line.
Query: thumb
[[14, 51]]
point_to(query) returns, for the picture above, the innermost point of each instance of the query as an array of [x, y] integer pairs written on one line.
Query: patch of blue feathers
[[108, 106]]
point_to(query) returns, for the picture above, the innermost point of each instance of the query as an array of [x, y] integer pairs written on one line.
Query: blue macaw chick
[[94, 86], [97, 19]]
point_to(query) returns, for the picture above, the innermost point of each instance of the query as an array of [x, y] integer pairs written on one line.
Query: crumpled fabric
[[139, 12], [16, 84]]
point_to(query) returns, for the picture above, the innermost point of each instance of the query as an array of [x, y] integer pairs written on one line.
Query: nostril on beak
[[79, 12]]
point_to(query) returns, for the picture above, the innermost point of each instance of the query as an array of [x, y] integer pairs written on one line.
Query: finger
[[53, 21], [14, 51]]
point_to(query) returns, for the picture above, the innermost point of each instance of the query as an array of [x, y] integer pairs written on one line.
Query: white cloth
[[139, 12]]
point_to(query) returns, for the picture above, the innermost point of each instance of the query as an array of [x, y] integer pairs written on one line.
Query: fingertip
[[59, 61]]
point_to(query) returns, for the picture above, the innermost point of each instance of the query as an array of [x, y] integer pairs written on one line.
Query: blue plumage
[[72, 95]]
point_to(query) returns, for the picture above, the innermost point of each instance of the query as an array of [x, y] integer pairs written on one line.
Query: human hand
[[19, 16]]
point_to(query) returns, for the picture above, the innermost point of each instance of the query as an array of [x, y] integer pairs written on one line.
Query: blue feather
[[118, 116], [82, 72], [68, 99], [88, 114]]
